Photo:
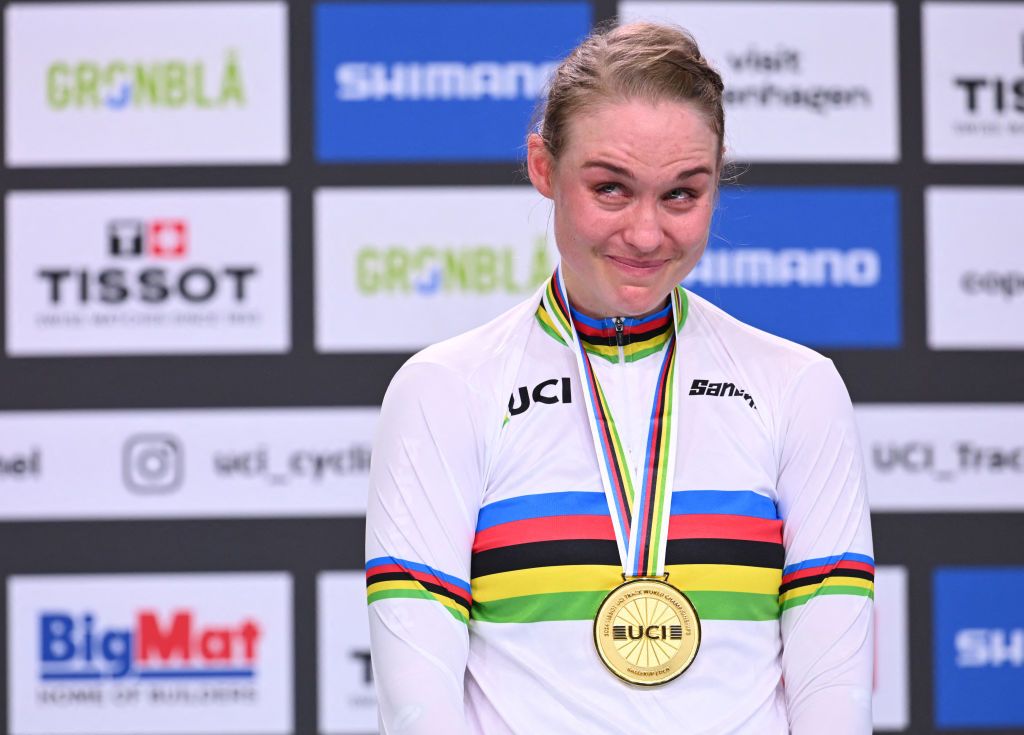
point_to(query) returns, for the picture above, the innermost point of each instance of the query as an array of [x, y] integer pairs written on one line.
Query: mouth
[[635, 265]]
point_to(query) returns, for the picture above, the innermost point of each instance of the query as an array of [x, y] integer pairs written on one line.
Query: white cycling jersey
[[490, 545]]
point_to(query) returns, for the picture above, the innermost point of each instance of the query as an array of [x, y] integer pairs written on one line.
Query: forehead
[[642, 134]]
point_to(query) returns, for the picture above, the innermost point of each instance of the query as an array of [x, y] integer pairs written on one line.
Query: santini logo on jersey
[[555, 390], [703, 387], [441, 80], [80, 647]]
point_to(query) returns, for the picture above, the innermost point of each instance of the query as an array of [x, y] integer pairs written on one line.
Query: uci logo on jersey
[[554, 390]]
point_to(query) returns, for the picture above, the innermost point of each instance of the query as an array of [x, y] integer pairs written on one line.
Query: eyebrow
[[626, 173]]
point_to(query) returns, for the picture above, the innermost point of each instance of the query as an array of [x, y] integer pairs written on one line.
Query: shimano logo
[[989, 647], [442, 80], [817, 268]]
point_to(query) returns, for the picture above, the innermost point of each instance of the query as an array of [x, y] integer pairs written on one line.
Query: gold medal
[[647, 632]]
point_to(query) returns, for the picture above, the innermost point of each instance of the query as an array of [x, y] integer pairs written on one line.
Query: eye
[[608, 189], [679, 195]]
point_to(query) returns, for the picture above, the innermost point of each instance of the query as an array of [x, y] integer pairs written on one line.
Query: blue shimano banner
[[435, 81], [818, 266], [979, 647]]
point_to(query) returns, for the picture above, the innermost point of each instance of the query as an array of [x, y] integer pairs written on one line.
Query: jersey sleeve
[[426, 482], [827, 586]]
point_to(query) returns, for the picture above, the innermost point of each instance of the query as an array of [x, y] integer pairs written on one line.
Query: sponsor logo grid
[[172, 272]]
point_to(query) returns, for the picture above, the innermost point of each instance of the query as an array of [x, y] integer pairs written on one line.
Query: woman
[[664, 528]]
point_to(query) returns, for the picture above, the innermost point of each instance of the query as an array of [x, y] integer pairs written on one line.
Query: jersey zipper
[[620, 323], [627, 425]]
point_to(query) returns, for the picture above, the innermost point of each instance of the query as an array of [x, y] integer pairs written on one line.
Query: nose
[[643, 229]]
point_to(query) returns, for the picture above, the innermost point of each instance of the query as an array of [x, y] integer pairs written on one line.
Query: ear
[[539, 165]]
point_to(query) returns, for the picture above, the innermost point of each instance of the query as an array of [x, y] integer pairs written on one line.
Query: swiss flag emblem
[[168, 238]]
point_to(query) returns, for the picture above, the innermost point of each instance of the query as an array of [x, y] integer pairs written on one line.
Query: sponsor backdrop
[[226, 224]]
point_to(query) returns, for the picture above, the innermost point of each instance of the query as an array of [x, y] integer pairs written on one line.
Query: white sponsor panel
[[147, 272], [400, 268], [891, 699], [185, 463], [973, 81], [975, 267], [146, 83], [347, 699], [943, 457], [154, 653], [804, 81]]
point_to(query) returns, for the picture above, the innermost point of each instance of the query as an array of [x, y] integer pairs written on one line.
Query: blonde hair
[[647, 61]]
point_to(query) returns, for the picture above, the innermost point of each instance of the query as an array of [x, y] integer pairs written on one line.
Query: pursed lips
[[647, 265]]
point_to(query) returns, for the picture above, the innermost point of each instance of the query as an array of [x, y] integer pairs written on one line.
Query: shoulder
[[787, 379], [472, 366], [780, 358]]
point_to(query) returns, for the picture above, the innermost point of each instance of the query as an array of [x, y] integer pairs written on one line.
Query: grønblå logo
[[979, 647], [435, 81], [818, 266]]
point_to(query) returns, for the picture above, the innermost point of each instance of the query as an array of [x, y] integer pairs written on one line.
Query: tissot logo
[[704, 387], [147, 271], [162, 239], [974, 99], [551, 391]]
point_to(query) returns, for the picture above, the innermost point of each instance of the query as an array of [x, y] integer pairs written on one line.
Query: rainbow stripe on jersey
[[845, 574], [388, 578], [553, 556]]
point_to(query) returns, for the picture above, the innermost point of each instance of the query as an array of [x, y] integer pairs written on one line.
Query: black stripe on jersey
[[606, 553], [805, 581], [406, 577]]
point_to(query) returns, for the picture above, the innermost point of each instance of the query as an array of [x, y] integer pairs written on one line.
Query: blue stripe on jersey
[[716, 502], [416, 567], [826, 561]]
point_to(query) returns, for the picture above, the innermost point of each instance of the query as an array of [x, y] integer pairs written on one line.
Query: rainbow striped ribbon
[[639, 504]]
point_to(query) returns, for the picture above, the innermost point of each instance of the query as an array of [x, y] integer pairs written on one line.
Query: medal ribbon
[[639, 506]]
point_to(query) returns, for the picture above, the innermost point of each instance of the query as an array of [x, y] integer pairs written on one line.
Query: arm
[[425, 488], [827, 585]]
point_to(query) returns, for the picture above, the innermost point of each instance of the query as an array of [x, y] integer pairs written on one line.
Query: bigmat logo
[[468, 74], [818, 266], [94, 84], [347, 700], [979, 647], [974, 99], [134, 273], [455, 259], [792, 90], [943, 457], [976, 293], [220, 463], [192, 653]]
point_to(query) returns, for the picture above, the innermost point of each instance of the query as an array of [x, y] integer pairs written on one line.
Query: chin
[[637, 301]]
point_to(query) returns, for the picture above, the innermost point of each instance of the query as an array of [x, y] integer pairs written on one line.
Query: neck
[[594, 311]]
